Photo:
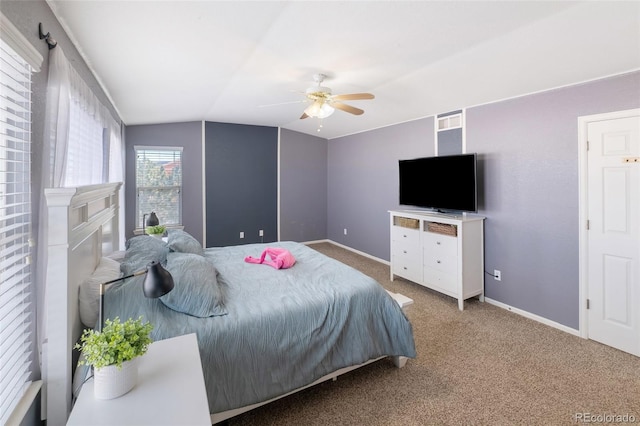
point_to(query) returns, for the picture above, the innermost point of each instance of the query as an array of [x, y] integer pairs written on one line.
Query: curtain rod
[[47, 37]]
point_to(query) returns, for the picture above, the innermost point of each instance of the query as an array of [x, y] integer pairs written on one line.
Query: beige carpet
[[482, 366]]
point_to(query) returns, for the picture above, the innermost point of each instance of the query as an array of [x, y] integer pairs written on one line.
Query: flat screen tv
[[445, 183]]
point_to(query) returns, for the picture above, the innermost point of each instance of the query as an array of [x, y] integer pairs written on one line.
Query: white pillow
[[117, 255], [89, 298]]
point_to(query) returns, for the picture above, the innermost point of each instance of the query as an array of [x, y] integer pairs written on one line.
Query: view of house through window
[[159, 184]]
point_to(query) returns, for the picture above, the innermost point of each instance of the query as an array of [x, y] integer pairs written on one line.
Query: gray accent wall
[[363, 182], [241, 183], [303, 187], [450, 142], [186, 135], [528, 165]]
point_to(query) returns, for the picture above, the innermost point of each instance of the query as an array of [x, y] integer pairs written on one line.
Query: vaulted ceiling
[[231, 61]]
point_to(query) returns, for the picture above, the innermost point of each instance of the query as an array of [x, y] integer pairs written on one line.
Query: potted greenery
[[156, 231], [114, 353]]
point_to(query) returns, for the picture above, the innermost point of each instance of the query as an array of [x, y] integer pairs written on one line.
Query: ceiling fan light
[[319, 110], [325, 110], [312, 109]]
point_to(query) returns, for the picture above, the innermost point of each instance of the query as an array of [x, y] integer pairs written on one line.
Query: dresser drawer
[[444, 281], [410, 236], [407, 264], [440, 245], [447, 264], [407, 267], [408, 252]]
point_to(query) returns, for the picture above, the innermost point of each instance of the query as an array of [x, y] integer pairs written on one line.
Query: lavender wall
[[187, 135], [363, 182], [530, 151], [303, 187], [528, 165]]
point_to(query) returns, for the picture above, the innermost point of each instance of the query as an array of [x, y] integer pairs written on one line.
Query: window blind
[[159, 184], [16, 311]]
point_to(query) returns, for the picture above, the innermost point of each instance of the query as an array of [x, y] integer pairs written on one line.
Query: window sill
[[140, 231]]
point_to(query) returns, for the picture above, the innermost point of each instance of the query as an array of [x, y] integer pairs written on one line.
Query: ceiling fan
[[323, 103]]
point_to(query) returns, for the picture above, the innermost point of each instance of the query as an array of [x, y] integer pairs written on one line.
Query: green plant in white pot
[[156, 231], [114, 353]]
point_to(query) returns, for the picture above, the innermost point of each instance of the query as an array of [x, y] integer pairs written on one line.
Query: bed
[[263, 332]]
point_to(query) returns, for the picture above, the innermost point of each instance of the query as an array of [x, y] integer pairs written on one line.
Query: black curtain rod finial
[[47, 37]]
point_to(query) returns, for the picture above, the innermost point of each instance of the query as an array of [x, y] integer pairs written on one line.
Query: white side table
[[170, 391]]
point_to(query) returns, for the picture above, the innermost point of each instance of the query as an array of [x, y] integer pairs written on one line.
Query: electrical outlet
[[497, 275], [261, 233], [345, 231], [241, 234]]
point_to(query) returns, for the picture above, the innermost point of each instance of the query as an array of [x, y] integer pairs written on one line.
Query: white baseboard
[[521, 312], [361, 253], [315, 242], [534, 317]]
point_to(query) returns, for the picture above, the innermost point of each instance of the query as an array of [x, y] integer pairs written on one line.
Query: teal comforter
[[283, 329]]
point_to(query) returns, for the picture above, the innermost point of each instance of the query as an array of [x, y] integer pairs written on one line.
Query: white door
[[613, 247]]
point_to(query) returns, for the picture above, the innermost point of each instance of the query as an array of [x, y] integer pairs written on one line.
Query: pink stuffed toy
[[280, 258]]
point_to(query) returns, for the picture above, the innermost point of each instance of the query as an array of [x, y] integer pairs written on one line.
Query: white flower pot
[[111, 382]]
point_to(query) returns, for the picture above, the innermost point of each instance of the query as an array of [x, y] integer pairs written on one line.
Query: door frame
[[583, 123]]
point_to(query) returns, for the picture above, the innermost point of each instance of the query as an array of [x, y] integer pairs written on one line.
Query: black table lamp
[[152, 220], [158, 282]]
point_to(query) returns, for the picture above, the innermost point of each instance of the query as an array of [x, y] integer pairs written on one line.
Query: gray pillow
[[196, 291], [183, 242], [140, 251]]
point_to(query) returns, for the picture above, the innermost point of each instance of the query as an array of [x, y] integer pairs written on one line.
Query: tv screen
[[445, 183]]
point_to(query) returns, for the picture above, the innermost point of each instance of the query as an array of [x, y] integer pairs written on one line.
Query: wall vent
[[450, 122]]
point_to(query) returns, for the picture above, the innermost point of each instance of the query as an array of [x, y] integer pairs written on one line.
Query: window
[[85, 149], [17, 326], [159, 184]]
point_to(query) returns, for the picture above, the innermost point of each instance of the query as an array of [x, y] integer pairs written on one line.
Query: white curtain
[[81, 146]]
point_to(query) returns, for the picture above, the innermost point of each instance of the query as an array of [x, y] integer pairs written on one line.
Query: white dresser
[[442, 252]]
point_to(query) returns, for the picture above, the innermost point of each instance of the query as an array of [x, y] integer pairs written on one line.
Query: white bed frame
[[83, 226]]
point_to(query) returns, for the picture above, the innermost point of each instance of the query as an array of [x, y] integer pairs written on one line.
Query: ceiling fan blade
[[352, 96], [303, 116], [347, 108]]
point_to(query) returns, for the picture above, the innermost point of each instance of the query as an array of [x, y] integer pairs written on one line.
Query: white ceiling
[[174, 61]]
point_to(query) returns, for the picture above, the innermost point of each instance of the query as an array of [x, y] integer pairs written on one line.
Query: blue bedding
[[280, 329]]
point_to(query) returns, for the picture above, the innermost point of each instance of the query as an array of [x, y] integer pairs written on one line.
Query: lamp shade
[[319, 109], [157, 282], [152, 220]]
